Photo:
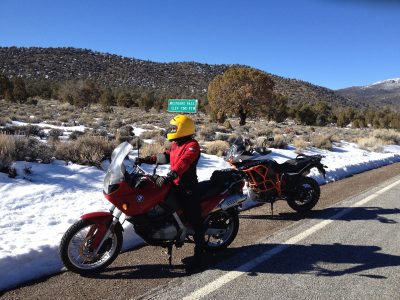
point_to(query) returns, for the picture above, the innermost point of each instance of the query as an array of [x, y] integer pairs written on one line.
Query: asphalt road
[[349, 252], [144, 272]]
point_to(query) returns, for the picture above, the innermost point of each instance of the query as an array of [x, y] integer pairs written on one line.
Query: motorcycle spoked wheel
[[76, 255], [307, 195], [223, 219]]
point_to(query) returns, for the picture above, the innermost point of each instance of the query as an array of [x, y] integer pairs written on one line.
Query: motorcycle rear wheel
[[307, 193], [76, 255], [223, 219]]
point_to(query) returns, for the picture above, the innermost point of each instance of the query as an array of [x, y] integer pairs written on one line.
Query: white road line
[[219, 282]]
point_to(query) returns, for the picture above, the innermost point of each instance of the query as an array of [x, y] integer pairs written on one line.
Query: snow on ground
[[80, 128], [37, 208]]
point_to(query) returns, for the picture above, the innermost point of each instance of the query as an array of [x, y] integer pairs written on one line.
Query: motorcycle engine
[[166, 232], [267, 197]]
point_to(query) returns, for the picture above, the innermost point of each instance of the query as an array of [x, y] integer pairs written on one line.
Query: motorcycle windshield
[[236, 149], [116, 170]]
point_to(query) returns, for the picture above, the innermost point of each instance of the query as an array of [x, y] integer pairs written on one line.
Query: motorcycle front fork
[[116, 215]]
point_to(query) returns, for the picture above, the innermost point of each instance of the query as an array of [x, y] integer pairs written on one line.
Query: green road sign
[[182, 105]]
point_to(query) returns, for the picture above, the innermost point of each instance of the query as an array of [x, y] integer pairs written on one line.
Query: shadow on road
[[356, 213], [317, 259], [145, 271]]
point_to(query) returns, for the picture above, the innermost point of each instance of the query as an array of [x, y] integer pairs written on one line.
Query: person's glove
[[161, 180]]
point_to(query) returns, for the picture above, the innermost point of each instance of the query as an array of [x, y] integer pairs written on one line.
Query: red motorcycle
[[93, 242]]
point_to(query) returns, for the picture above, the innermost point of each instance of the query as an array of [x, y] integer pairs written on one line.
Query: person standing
[[183, 156]]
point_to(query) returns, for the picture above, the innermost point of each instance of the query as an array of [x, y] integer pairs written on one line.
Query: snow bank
[[36, 209]]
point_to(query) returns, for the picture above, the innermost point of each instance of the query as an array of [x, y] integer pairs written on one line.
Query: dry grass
[[389, 136], [222, 136], [206, 133], [5, 120], [152, 149], [279, 142], [300, 144], [151, 134], [217, 147], [371, 144], [322, 141], [7, 151], [86, 150]]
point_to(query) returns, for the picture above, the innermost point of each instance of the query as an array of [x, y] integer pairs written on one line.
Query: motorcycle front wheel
[[306, 196], [228, 222], [75, 247]]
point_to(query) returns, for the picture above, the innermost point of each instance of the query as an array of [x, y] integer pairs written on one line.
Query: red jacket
[[183, 158]]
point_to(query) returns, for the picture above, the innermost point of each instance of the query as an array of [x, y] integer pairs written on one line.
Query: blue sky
[[333, 43]]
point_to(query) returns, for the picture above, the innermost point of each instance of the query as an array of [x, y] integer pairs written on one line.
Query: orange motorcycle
[[269, 181]]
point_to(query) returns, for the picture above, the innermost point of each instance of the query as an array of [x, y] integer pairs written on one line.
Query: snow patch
[[36, 209]]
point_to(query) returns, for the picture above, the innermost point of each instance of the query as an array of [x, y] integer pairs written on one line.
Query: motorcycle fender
[[102, 217]]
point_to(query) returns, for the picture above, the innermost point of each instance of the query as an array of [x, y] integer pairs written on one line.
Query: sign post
[[182, 105]]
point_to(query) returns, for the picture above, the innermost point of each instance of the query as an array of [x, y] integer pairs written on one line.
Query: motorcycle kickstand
[[169, 254], [272, 209]]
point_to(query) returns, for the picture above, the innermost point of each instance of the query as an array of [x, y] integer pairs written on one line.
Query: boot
[[194, 264]]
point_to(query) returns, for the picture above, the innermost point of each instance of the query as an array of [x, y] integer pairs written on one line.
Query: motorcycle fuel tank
[[136, 201]]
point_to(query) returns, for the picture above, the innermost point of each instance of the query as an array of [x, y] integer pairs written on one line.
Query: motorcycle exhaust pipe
[[232, 200]]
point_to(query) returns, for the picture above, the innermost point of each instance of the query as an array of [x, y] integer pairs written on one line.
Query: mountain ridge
[[61, 64], [378, 94]]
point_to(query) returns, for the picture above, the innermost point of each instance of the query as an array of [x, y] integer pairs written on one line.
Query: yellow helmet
[[181, 126]]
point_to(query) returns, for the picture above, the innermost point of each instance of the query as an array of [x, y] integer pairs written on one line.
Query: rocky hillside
[[60, 64], [382, 93]]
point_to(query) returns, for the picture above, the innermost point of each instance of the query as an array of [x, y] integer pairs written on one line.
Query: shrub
[[263, 132], [30, 130], [55, 134], [217, 147], [150, 134], [5, 120], [262, 141], [370, 144], [207, 133], [125, 133], [75, 134], [86, 150], [322, 142], [389, 136], [279, 142], [152, 149], [300, 144], [136, 142], [228, 125], [222, 136], [7, 151], [115, 124], [232, 138], [30, 149]]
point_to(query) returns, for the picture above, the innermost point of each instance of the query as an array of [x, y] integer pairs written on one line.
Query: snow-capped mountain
[[389, 84], [378, 94]]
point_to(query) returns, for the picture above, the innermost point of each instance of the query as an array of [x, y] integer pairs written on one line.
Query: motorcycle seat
[[292, 165], [207, 189]]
